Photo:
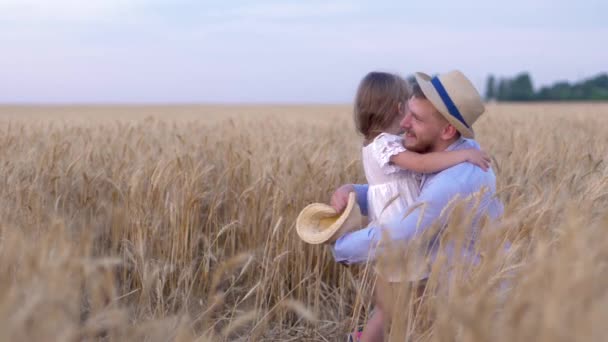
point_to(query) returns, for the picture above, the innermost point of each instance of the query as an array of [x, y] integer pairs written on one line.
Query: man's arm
[[360, 245], [361, 192]]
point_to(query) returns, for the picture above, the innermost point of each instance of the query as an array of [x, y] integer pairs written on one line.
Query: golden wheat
[[177, 223]]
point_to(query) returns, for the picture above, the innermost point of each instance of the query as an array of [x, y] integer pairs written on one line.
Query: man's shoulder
[[466, 176], [464, 144], [467, 173]]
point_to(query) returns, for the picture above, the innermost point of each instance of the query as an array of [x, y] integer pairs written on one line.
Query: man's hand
[[339, 199]]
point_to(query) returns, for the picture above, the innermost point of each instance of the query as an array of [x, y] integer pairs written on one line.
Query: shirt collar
[[455, 144]]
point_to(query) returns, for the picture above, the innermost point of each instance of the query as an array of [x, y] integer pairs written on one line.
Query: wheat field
[[178, 223]]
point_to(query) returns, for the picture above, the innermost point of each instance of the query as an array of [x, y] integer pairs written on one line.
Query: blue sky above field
[[282, 51]]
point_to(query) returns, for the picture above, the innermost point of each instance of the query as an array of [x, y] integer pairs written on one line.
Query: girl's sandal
[[356, 337]]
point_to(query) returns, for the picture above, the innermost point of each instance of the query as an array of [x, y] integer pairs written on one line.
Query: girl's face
[[395, 127]]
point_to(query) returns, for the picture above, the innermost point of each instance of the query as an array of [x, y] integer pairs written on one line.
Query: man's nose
[[406, 121]]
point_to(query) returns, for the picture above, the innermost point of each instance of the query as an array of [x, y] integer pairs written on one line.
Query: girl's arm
[[438, 161]]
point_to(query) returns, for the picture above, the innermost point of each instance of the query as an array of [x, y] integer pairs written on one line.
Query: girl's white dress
[[392, 190]]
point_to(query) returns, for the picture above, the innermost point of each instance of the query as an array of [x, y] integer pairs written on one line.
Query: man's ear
[[449, 132], [401, 107]]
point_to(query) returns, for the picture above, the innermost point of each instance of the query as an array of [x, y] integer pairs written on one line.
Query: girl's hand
[[479, 158], [339, 199]]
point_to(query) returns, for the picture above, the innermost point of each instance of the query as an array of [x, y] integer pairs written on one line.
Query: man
[[441, 113]]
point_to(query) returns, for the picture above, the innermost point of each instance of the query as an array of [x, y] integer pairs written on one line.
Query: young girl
[[392, 172]]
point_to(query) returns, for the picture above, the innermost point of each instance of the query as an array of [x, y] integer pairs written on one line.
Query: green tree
[[521, 88], [490, 88], [504, 90]]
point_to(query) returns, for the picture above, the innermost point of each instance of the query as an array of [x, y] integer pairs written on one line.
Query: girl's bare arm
[[439, 161]]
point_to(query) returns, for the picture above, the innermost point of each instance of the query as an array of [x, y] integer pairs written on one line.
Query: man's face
[[422, 125]]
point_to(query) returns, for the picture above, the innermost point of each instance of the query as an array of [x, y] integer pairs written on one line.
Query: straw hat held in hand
[[320, 223]]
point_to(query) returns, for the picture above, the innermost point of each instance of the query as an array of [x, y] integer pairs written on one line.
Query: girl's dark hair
[[377, 102]]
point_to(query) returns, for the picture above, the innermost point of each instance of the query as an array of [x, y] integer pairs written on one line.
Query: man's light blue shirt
[[437, 190]]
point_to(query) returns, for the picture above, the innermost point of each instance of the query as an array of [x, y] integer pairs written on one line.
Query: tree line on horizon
[[520, 88]]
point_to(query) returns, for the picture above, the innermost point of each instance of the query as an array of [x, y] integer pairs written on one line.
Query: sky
[[188, 51]]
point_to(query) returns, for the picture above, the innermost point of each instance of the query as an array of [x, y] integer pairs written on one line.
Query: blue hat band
[[447, 100]]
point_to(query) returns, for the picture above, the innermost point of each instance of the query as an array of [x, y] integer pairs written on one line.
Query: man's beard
[[420, 146]]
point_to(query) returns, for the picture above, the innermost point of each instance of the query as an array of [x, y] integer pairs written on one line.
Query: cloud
[[59, 10], [291, 10], [176, 50]]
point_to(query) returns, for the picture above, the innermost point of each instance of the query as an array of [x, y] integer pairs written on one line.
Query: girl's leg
[[374, 329]]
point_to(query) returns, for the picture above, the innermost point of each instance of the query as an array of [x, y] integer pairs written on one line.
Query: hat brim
[[424, 81], [319, 223]]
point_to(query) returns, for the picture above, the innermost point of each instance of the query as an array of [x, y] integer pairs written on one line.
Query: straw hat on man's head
[[320, 223], [455, 98]]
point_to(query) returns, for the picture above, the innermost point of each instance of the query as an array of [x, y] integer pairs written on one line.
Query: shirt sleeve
[[360, 246], [384, 147], [361, 195]]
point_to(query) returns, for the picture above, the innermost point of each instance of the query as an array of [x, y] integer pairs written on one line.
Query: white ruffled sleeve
[[384, 147]]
